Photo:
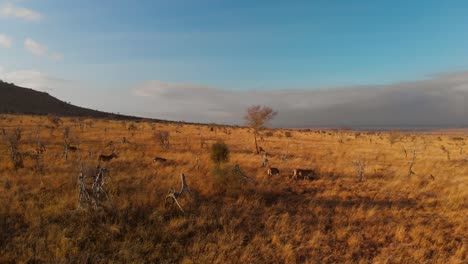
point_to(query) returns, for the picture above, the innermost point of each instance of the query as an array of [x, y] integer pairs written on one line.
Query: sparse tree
[[411, 164], [37, 154], [257, 118], [360, 167], [66, 142], [12, 140]]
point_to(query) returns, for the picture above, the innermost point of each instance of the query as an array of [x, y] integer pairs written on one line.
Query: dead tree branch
[[360, 167], [173, 195], [411, 164], [91, 190]]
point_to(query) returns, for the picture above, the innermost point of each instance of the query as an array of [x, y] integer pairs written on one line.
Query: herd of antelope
[[297, 174], [303, 174]]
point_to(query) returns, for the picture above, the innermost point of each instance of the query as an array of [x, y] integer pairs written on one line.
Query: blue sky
[[114, 46]]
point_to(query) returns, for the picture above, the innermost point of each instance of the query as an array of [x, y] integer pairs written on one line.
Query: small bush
[[132, 127], [12, 140], [219, 153], [228, 181], [287, 134], [55, 120], [394, 137], [268, 134], [163, 138]]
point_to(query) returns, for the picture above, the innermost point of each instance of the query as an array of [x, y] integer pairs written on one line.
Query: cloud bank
[[441, 101]]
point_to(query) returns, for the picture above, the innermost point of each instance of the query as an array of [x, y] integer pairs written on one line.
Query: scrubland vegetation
[[377, 197]]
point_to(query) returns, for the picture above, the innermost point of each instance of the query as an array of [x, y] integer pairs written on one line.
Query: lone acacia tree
[[257, 118]]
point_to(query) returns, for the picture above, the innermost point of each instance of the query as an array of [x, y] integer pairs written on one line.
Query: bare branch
[[175, 195]]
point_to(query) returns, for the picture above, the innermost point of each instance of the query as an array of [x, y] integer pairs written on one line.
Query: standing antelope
[[304, 174], [273, 171], [265, 159], [108, 157]]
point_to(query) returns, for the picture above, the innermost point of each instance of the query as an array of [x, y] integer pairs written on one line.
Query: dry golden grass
[[389, 217]]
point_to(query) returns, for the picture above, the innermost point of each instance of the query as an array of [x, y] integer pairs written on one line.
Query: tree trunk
[[256, 145]]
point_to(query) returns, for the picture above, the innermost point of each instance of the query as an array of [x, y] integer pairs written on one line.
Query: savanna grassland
[[409, 207]]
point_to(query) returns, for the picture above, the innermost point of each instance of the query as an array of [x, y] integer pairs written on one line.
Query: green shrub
[[219, 153]]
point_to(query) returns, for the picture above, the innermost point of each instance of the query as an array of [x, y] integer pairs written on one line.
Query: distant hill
[[19, 100]]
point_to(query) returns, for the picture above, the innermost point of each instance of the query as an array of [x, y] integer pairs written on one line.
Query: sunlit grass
[[389, 217]]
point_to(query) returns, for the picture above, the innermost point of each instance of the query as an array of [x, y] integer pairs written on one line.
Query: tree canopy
[[258, 116]]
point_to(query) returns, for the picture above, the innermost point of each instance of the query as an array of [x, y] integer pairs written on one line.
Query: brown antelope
[[304, 174], [160, 160], [72, 148], [108, 157], [273, 171], [265, 161], [42, 148], [164, 161]]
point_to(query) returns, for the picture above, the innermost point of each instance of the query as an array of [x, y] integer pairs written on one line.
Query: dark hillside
[[19, 100]]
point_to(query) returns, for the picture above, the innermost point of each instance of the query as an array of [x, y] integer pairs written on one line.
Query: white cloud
[[32, 79], [40, 50], [5, 41], [11, 11], [160, 88], [34, 47], [76, 92]]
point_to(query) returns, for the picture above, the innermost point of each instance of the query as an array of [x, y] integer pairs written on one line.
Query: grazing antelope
[[42, 148], [72, 148], [29, 154], [160, 160], [273, 171], [164, 161], [304, 174], [108, 157]]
